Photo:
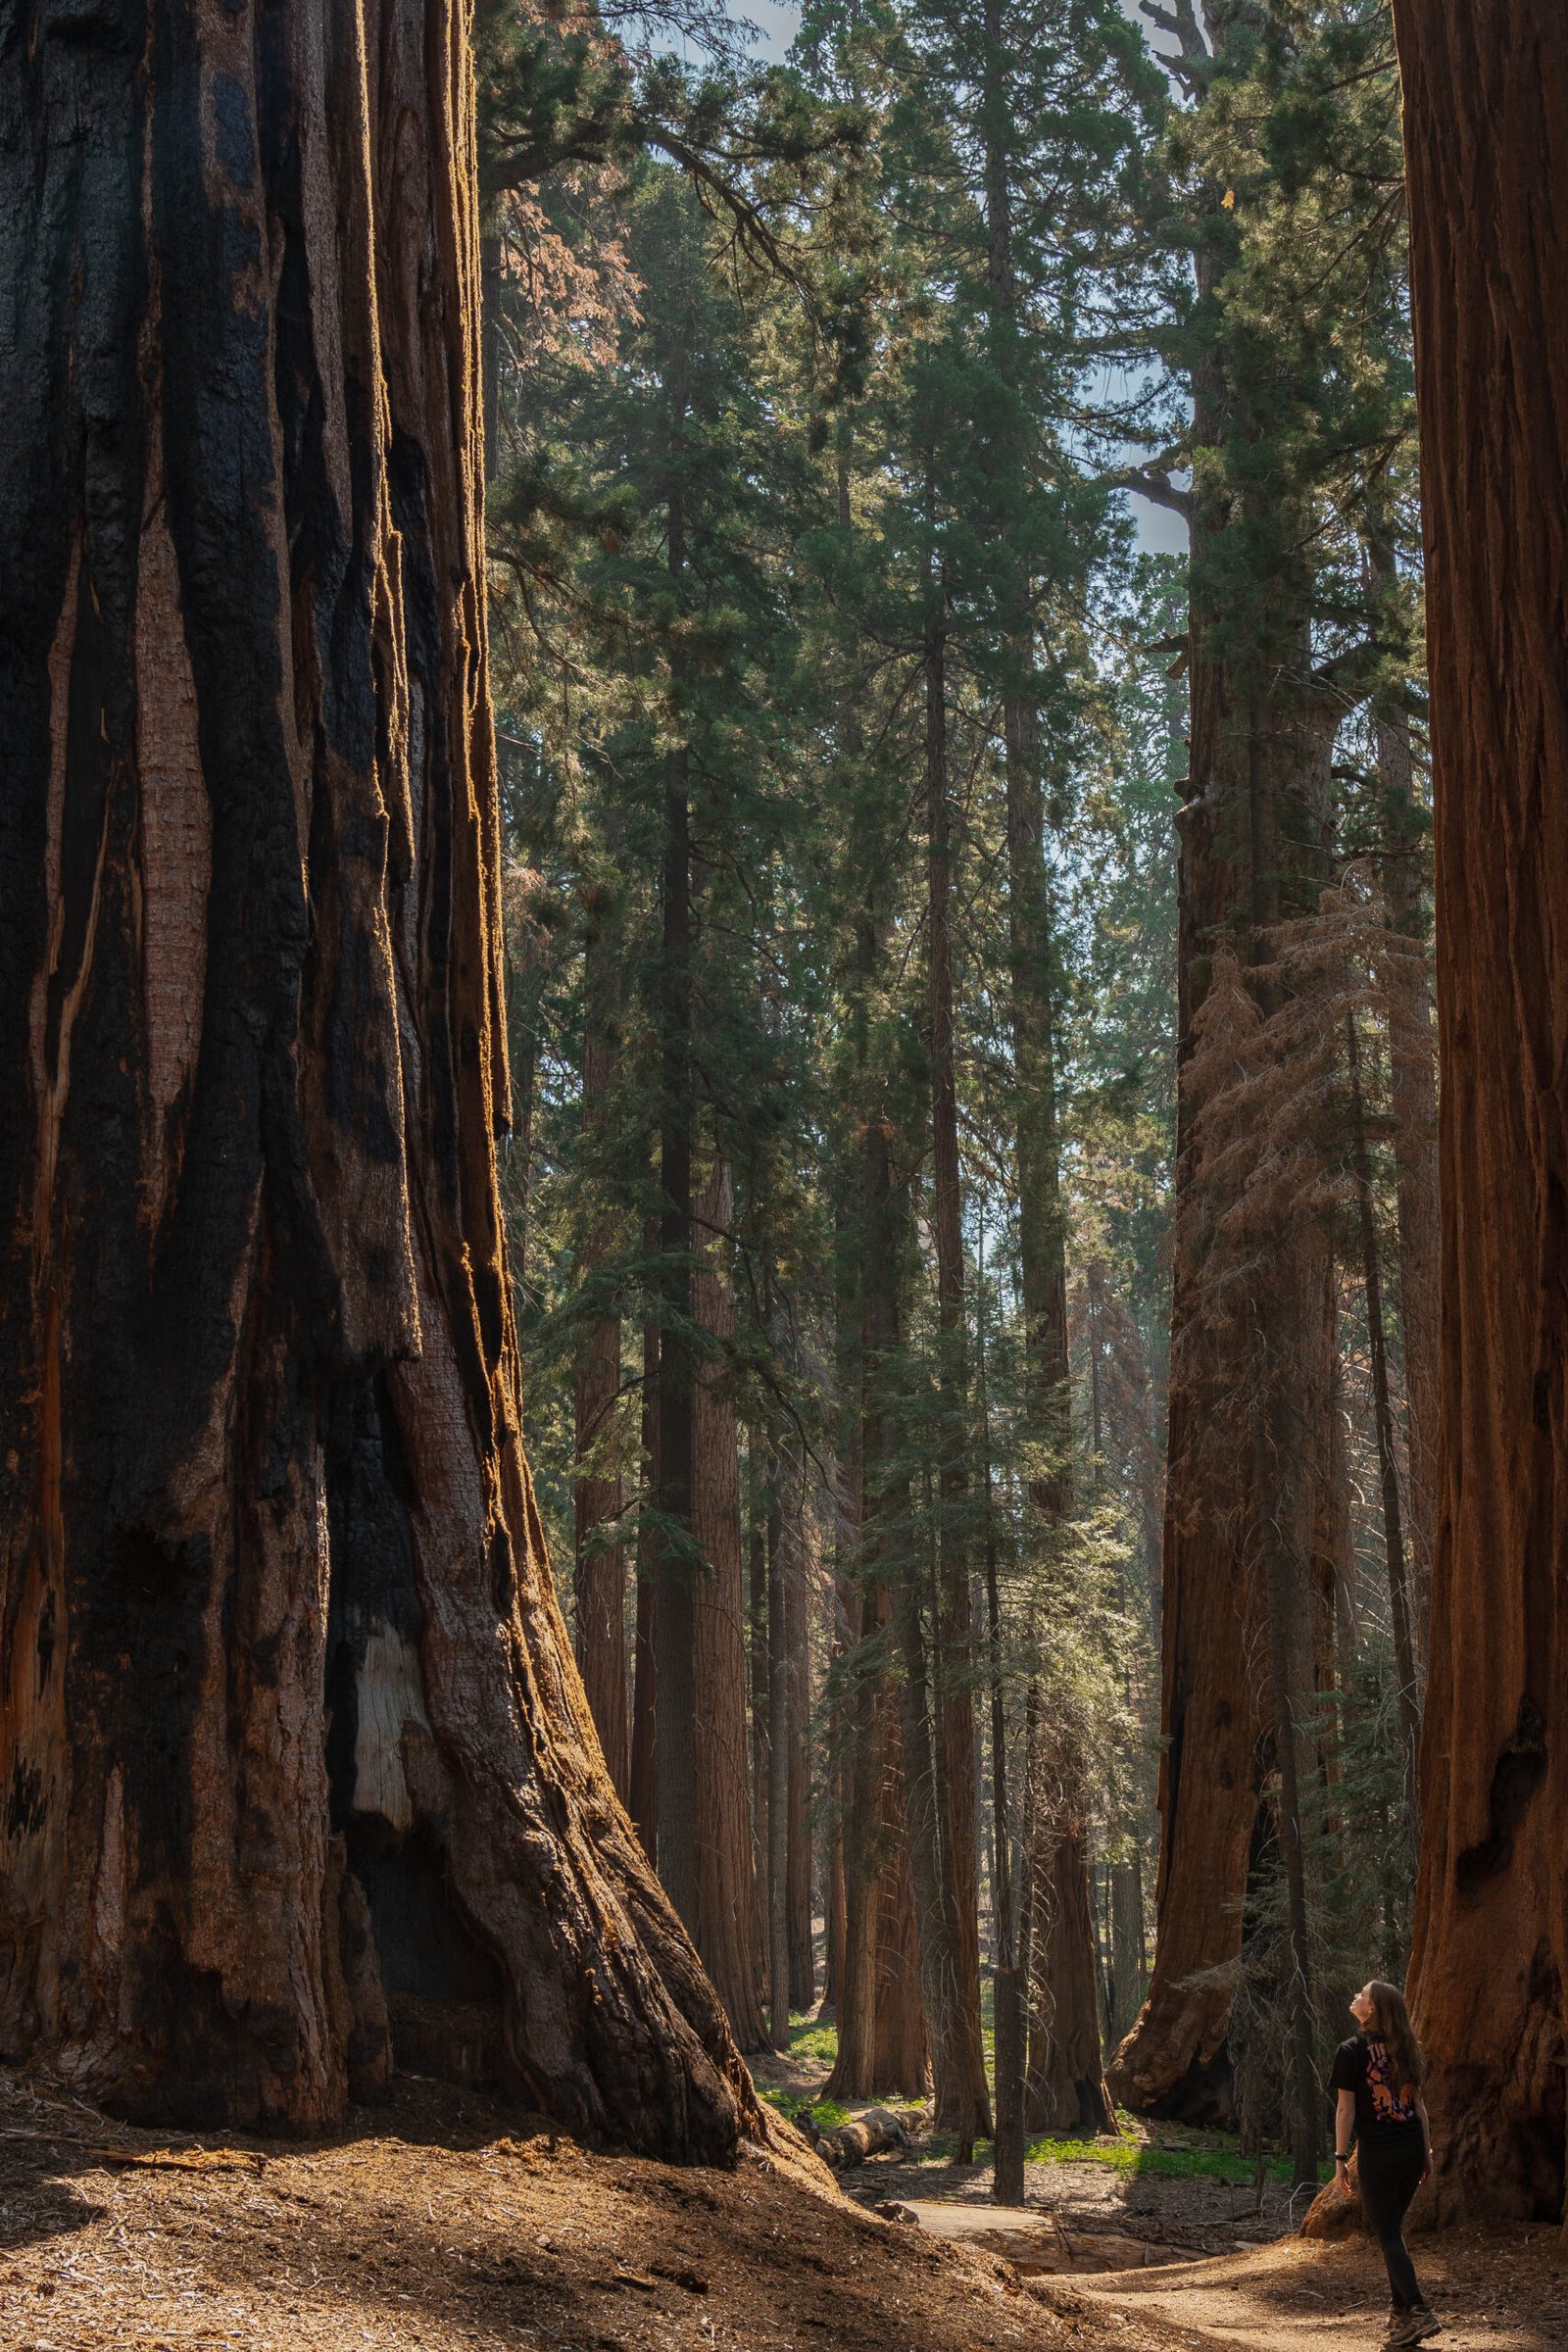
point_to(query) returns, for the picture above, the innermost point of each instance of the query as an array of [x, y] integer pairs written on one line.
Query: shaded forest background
[[971, 1192]]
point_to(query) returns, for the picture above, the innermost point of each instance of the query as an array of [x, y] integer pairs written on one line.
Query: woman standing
[[1377, 2074]]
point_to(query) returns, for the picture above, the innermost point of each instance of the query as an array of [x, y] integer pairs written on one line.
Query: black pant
[[1389, 2178]]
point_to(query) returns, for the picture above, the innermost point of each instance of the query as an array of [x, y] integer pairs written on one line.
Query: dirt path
[[1501, 2293]]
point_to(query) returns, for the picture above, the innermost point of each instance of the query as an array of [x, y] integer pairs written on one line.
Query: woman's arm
[[1426, 2126], [1343, 2133]]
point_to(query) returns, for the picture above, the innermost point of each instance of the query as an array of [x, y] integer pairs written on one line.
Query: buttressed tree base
[[292, 1750]]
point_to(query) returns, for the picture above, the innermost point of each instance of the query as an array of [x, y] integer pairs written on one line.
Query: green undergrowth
[[1211, 2158], [817, 2045]]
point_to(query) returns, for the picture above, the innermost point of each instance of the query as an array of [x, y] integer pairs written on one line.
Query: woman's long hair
[[1391, 2020]]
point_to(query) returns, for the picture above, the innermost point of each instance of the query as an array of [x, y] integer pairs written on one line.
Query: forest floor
[[444, 2224]]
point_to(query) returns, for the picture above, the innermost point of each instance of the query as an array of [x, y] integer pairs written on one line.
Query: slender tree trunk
[[1064, 2084], [1413, 1092], [962, 2098], [882, 2041], [1126, 1943], [798, 1861], [601, 1558], [644, 1683], [675, 1596], [726, 1900], [778, 1735], [1404, 1665], [259, 1372], [1485, 124], [757, 1577]]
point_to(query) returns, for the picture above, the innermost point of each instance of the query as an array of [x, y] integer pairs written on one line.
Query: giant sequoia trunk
[[1487, 140], [281, 1645], [1253, 836]]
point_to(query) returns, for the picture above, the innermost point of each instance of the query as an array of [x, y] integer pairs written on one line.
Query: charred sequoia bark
[[1485, 92], [270, 1567]]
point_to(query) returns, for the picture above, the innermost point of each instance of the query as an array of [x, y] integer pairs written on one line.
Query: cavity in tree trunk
[[269, 1559], [1486, 121]]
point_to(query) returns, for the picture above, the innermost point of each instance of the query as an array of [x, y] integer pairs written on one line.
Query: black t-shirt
[[1384, 2110]]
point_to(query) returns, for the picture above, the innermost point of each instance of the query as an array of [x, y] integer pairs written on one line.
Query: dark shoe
[[1418, 2326]]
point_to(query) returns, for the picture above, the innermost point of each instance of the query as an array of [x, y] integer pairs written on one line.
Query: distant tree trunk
[[1127, 1961], [601, 1558], [644, 1683], [798, 1862], [1399, 1611], [1253, 838], [1413, 1092], [882, 2038], [1486, 122], [675, 1593], [1064, 2084], [778, 1738], [726, 1902], [964, 2103], [258, 1371], [757, 1580]]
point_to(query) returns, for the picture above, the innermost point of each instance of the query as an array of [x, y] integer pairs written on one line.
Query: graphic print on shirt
[[1389, 2103]]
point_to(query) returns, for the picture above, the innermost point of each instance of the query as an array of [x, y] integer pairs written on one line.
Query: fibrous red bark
[[1486, 93], [271, 1568]]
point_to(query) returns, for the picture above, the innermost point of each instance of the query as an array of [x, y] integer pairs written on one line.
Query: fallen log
[[869, 2135]]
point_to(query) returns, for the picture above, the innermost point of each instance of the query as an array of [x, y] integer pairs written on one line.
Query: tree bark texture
[[964, 2099], [1413, 1100], [1485, 92], [1251, 844], [1065, 2080], [727, 1897], [645, 1660], [798, 1858], [270, 1567], [600, 1497]]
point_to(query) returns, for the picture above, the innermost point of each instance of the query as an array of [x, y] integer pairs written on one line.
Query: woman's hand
[[1426, 2171], [1342, 2176]]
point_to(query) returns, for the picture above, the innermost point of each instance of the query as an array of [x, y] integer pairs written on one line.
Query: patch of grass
[[1127, 2154], [810, 2040], [826, 2113]]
